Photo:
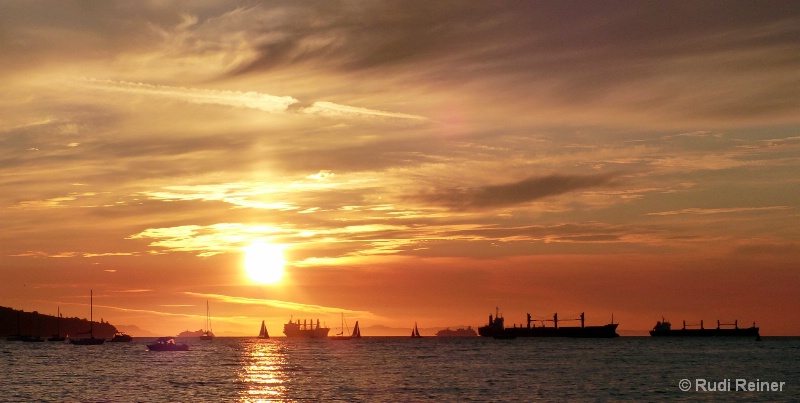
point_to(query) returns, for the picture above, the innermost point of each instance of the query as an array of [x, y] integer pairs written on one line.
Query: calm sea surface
[[383, 369]]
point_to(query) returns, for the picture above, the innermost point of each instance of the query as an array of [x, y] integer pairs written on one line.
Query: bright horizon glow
[[264, 262], [584, 157]]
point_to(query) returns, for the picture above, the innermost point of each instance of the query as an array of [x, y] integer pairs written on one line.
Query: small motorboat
[[167, 344], [121, 338]]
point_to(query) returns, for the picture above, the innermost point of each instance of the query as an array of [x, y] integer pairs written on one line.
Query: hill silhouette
[[18, 322]]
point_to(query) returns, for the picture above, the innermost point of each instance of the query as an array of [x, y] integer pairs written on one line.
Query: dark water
[[381, 369]]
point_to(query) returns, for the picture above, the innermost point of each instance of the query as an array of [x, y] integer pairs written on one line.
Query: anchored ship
[[305, 329], [496, 328], [664, 328], [460, 332]]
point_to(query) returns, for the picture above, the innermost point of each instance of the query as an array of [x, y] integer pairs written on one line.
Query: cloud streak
[[524, 191], [292, 306], [238, 99], [730, 210]]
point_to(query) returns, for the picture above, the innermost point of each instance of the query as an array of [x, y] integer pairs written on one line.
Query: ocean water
[[401, 369]]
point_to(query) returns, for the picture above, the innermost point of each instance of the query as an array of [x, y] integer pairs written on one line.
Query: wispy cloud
[[383, 135], [238, 99], [293, 306], [729, 210], [526, 190], [331, 109], [58, 255], [208, 240]]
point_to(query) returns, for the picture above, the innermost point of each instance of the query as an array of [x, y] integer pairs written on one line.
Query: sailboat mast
[[91, 314]]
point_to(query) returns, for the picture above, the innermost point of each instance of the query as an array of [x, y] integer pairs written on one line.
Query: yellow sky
[[419, 162]]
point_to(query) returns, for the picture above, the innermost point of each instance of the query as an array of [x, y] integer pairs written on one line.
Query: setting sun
[[264, 262]]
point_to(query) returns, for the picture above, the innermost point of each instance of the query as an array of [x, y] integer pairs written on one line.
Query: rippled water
[[398, 369]]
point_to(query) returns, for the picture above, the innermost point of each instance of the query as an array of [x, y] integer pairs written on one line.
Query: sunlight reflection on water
[[262, 371]]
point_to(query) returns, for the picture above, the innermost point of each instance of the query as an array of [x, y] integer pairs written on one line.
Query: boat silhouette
[[207, 334], [496, 329], [120, 337], [415, 331], [91, 340], [343, 336], [23, 337], [263, 334], [664, 328], [167, 344], [305, 330], [57, 336], [460, 332]]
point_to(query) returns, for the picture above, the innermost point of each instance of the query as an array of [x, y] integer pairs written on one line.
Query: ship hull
[[307, 331], [605, 331], [747, 332], [318, 333]]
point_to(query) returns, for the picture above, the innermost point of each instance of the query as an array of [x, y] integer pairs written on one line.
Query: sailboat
[[18, 336], [342, 336], [415, 331], [91, 341], [36, 338], [57, 336], [263, 334], [207, 334]]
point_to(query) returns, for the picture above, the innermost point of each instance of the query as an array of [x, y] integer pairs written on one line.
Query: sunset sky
[[417, 161]]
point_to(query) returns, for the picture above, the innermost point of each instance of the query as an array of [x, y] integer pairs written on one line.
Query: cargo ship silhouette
[[496, 328], [306, 329], [664, 328]]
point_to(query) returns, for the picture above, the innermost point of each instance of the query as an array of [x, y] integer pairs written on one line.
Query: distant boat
[[23, 337], [263, 334], [415, 331], [357, 331], [664, 328], [37, 338], [344, 336], [91, 341], [306, 329], [18, 336], [167, 344], [460, 332], [207, 334], [121, 338], [57, 336]]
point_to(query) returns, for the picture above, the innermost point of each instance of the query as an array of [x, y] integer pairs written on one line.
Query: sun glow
[[264, 262]]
